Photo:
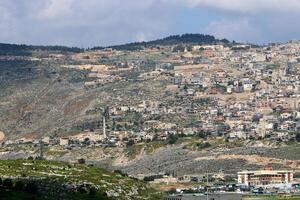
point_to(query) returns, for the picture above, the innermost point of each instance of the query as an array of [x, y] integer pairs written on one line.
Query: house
[[64, 141], [46, 140], [237, 135]]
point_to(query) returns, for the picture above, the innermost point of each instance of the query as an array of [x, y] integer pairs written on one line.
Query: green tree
[[19, 185], [298, 136], [130, 143], [172, 139], [31, 187], [8, 183]]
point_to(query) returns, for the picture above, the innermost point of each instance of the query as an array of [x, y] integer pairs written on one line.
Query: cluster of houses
[[255, 91], [238, 92]]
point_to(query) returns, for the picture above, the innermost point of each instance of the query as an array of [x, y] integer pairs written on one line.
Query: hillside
[[53, 180], [33, 94], [171, 40], [26, 50], [162, 106]]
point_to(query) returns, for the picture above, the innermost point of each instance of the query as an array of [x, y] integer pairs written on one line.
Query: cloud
[[55, 9], [84, 23], [241, 29], [258, 21], [87, 23], [248, 6]]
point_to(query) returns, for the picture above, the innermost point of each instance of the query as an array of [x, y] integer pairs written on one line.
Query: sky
[[88, 23]]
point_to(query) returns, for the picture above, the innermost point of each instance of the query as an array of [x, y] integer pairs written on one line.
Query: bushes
[[92, 191], [203, 145], [297, 175], [81, 161], [19, 185], [121, 173], [298, 136], [31, 187], [8, 183], [172, 139]]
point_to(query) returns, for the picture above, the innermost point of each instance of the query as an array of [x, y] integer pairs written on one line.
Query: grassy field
[[111, 184], [18, 195]]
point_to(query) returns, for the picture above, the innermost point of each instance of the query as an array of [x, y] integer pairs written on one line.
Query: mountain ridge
[[187, 38]]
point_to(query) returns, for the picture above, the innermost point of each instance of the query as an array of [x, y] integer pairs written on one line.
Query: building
[[214, 196], [64, 141], [265, 177]]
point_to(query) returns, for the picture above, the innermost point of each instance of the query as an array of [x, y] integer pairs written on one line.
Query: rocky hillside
[[36, 98], [44, 179]]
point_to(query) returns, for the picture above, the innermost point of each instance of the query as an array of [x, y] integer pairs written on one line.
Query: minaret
[[41, 156], [104, 127]]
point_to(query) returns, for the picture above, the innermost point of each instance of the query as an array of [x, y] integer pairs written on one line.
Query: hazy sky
[[86, 23]]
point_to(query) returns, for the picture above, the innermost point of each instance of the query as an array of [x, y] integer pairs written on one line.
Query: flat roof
[[261, 172]]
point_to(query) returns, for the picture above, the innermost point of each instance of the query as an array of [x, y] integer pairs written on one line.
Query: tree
[[8, 183], [179, 48], [92, 191], [201, 134], [172, 139], [81, 161], [298, 136], [19, 185], [130, 143], [31, 187], [189, 48], [185, 87]]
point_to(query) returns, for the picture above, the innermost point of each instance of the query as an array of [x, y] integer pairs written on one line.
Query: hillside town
[[180, 103], [149, 100], [238, 93]]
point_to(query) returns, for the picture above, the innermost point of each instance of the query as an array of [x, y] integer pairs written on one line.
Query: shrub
[[172, 139], [19, 185], [121, 173], [81, 161], [8, 183], [203, 145], [297, 175], [92, 191], [31, 187], [83, 190], [298, 137], [130, 143]]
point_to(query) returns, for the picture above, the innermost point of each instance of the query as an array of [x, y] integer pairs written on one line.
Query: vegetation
[[172, 139], [50, 180], [25, 50], [149, 148], [171, 40]]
